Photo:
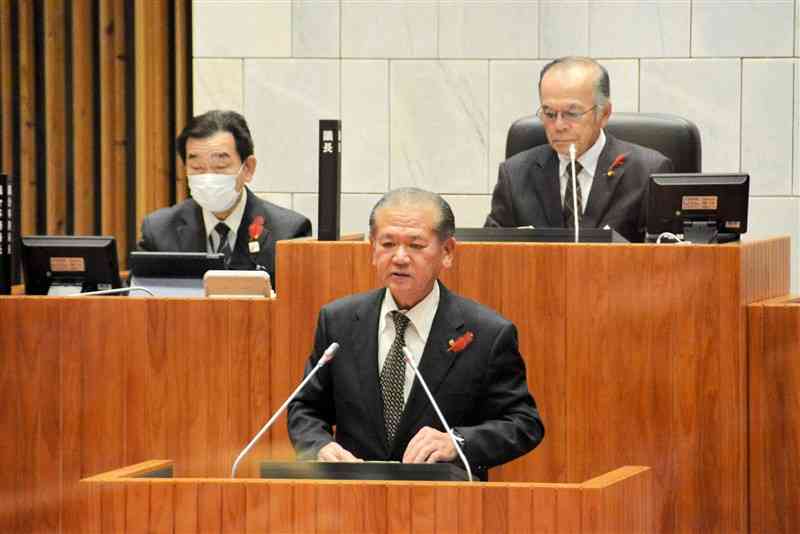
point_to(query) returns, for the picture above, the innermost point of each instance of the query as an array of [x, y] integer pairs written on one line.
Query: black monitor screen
[[88, 262], [702, 208]]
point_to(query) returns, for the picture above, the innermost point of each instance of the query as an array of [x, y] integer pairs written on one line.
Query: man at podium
[[534, 187], [467, 353]]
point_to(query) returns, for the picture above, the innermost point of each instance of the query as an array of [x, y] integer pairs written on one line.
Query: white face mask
[[214, 192]]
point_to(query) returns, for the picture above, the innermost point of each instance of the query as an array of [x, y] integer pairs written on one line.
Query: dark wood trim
[[130, 118], [98, 130], [40, 117], [69, 142], [172, 99]]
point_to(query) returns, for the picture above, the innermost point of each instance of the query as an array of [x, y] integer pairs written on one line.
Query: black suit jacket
[[481, 390], [180, 228], [528, 189]]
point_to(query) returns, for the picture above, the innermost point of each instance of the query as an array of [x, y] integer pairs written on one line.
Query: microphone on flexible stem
[[574, 196], [324, 359], [410, 360]]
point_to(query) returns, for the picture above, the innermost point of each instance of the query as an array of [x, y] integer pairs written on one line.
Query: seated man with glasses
[[222, 215], [534, 187]]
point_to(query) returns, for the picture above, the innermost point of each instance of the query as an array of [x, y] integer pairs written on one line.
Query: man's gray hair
[[602, 84], [414, 197]]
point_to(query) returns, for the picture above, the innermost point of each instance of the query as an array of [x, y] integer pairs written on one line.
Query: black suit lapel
[[253, 208], [448, 324], [544, 176], [365, 348], [192, 231], [603, 186]]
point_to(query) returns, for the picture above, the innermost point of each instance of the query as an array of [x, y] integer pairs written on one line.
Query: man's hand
[[333, 452], [429, 446]]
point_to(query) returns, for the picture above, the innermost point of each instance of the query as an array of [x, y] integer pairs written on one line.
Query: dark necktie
[[224, 246], [393, 377], [569, 220]]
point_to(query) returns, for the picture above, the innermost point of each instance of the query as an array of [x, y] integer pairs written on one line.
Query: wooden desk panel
[[615, 502], [775, 417], [642, 362]]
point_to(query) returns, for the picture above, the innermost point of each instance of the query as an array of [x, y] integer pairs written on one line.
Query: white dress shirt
[[588, 161], [234, 220], [416, 336]]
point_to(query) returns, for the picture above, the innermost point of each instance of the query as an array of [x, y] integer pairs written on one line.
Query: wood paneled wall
[[93, 93]]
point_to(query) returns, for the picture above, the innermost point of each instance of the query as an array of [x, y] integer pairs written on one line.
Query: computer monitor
[[64, 265], [701, 208], [173, 274]]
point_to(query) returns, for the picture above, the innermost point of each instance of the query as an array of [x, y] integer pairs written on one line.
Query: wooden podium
[[636, 354], [145, 498]]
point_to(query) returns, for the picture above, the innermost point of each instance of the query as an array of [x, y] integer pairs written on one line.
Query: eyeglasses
[[551, 115]]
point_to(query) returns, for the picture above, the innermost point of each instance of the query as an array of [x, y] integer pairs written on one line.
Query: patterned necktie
[[569, 220], [224, 246], [393, 377]]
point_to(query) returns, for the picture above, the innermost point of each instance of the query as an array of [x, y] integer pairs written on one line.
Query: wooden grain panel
[[91, 509], [83, 112], [258, 499], [162, 506], [134, 344], [304, 508], [398, 509], [470, 504], [250, 354], [447, 510], [495, 509], [183, 80], [112, 503], [568, 511], [6, 96], [55, 115], [137, 508], [186, 497], [520, 510], [28, 121], [330, 508], [352, 507], [774, 418], [423, 506], [544, 510], [281, 508], [153, 132], [234, 508], [113, 117], [376, 509], [209, 508], [765, 267], [201, 365]]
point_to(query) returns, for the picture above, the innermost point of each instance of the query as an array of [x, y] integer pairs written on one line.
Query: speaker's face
[[408, 254], [568, 111]]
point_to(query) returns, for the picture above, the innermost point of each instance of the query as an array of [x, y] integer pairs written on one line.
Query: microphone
[[574, 197], [410, 360], [324, 359]]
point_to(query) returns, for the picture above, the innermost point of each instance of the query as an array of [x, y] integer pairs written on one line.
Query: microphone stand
[[325, 358], [410, 360]]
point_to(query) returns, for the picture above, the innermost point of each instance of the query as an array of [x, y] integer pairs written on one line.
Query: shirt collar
[[233, 220], [588, 159], [420, 316]]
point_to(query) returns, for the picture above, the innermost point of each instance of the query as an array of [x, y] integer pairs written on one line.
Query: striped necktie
[[393, 377], [569, 220]]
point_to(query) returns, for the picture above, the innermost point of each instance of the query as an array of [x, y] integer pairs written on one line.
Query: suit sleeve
[[303, 228], [502, 213], [146, 243], [311, 414], [510, 425]]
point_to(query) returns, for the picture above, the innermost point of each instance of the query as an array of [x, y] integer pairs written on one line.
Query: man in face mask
[[222, 215]]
